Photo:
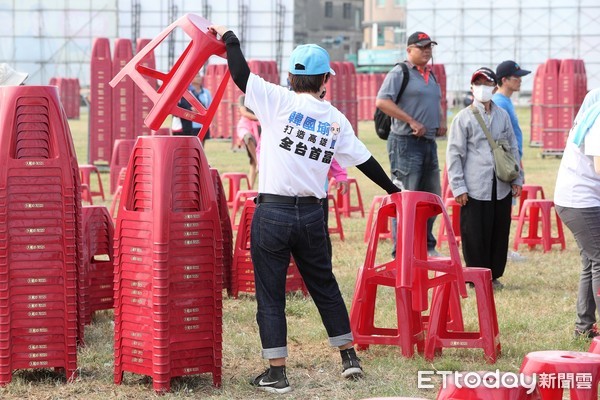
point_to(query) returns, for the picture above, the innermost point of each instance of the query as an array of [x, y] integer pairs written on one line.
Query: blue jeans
[[279, 230], [414, 162], [585, 225]]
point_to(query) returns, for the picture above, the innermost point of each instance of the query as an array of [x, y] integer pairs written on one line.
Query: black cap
[[420, 39], [510, 68], [486, 73]]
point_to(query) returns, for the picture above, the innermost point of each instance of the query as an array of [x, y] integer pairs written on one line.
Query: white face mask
[[483, 93]]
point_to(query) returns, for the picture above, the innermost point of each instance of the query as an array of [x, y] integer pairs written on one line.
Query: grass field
[[536, 311]]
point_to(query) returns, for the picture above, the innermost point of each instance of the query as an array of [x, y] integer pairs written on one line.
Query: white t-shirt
[[577, 183], [300, 136]]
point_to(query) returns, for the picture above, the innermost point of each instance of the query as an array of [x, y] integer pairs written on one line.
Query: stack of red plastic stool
[[174, 84], [535, 212], [226, 230], [168, 264], [344, 201], [409, 274], [338, 228], [385, 232], [528, 192], [558, 372], [242, 275], [86, 171], [441, 335], [490, 385], [40, 233], [233, 182], [96, 276]]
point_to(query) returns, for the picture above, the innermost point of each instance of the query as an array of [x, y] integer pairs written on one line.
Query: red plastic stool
[[484, 385], [535, 211], [86, 171], [578, 372], [338, 228], [453, 209], [386, 232], [488, 335], [407, 274], [595, 345], [85, 194], [344, 201], [528, 192], [238, 203], [234, 183], [202, 45]]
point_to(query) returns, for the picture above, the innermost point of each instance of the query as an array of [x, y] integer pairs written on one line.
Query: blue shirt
[[504, 102]]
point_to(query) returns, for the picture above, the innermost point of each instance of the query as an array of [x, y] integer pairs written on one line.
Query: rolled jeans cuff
[[275, 352], [341, 340]]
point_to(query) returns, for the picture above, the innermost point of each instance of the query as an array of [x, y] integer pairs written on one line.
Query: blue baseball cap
[[310, 59]]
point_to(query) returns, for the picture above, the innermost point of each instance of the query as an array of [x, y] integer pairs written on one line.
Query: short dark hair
[[307, 83]]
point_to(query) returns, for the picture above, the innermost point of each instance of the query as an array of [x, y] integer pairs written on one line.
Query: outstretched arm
[[372, 169], [235, 58]]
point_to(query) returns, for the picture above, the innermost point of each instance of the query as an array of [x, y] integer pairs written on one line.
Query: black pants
[[484, 230]]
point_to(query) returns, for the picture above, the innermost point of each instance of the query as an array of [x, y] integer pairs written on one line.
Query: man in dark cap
[[509, 75], [416, 121]]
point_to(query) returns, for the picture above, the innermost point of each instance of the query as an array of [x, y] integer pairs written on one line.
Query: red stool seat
[[386, 232], [86, 171], [344, 201], [453, 209], [487, 337], [233, 183], [528, 192], [460, 386], [535, 212], [174, 84], [577, 372], [338, 228], [595, 345]]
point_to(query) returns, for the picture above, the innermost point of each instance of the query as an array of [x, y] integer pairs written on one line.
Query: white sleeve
[[592, 140]]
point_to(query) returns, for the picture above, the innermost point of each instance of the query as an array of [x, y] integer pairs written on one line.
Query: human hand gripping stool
[[301, 135]]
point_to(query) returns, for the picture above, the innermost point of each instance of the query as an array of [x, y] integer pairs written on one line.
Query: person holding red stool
[[301, 135]]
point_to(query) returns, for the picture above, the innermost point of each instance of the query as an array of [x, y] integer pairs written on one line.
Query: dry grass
[[535, 312]]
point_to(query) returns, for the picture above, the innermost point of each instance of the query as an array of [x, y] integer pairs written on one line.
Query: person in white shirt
[[301, 134], [577, 200]]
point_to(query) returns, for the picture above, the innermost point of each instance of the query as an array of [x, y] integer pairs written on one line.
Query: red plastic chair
[[344, 201], [492, 387], [233, 182], [175, 83], [338, 228], [535, 212], [86, 171], [453, 209], [558, 367], [487, 337], [408, 274], [528, 192], [238, 203]]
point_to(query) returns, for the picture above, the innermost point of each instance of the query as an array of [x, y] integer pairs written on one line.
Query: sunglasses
[[426, 47]]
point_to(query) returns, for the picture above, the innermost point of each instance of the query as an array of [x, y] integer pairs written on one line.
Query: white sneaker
[[516, 257]]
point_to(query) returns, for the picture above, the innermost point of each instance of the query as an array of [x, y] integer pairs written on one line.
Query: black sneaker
[[351, 368], [497, 285], [273, 381]]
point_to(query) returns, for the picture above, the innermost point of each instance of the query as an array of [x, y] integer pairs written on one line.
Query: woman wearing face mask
[[485, 200]]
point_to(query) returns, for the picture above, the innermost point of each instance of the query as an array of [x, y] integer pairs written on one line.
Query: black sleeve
[[235, 60], [372, 169]]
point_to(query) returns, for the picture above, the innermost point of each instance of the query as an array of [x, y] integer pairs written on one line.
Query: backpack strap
[[405, 76]]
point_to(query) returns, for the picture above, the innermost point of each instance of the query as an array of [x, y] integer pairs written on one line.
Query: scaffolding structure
[[474, 34]]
